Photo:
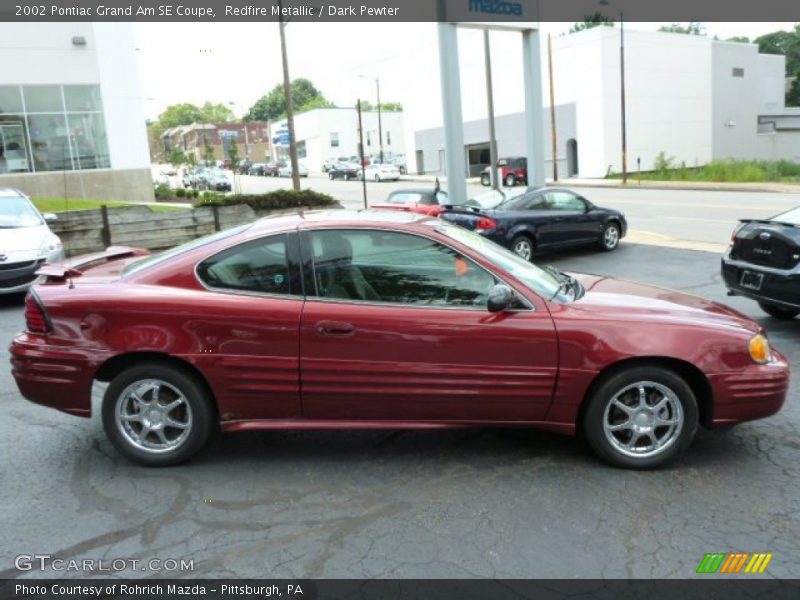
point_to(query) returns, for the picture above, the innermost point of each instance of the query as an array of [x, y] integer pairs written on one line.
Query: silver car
[[26, 242]]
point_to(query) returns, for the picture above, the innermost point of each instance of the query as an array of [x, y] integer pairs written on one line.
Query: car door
[[248, 327], [395, 327], [572, 221]]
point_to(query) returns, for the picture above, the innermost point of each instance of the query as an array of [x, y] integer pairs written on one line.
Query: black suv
[[763, 263]]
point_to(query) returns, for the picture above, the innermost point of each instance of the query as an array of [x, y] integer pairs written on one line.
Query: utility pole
[[287, 92], [361, 153], [552, 109], [487, 58], [380, 129], [622, 93]]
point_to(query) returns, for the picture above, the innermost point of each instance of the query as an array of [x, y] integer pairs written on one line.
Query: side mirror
[[50, 217], [500, 298]]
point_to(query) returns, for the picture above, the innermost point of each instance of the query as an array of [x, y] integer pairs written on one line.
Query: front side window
[[396, 268], [259, 265], [16, 211]]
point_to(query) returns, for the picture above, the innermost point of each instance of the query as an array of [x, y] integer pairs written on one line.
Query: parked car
[[400, 163], [168, 170], [286, 171], [426, 201], [273, 167], [244, 166], [218, 181], [257, 169], [391, 320], [346, 171], [380, 172], [512, 170], [544, 219], [26, 242], [763, 263]]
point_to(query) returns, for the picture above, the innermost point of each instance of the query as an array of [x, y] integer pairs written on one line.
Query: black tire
[[523, 247], [486, 180], [610, 236], [779, 312], [510, 180], [402, 170], [331, 176], [625, 386], [377, 178], [196, 412]]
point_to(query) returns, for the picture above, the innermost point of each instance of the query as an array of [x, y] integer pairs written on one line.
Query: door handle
[[334, 328]]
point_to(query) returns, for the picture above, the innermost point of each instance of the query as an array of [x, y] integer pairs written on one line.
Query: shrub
[[662, 162], [162, 191], [277, 200], [180, 193]]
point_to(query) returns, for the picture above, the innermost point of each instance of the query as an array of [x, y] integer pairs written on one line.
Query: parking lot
[[472, 503]]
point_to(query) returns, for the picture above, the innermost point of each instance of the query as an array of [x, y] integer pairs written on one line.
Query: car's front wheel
[[779, 312], [157, 415], [522, 246], [377, 178], [610, 237], [641, 417], [510, 180]]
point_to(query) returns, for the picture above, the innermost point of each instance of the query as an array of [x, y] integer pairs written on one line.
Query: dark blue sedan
[[543, 219]]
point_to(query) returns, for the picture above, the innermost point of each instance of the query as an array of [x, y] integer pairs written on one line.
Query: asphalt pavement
[[483, 503]]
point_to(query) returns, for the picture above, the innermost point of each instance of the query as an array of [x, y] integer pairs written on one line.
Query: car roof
[[337, 217], [11, 193]]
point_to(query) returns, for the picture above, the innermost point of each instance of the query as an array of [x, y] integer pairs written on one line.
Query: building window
[[52, 128], [301, 149], [388, 138], [334, 139], [369, 139], [737, 72]]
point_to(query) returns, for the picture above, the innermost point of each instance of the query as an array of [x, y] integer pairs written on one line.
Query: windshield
[[167, 254], [545, 283], [16, 211], [792, 217]]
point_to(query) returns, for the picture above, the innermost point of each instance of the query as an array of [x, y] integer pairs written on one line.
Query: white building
[[326, 133], [691, 97], [71, 111]]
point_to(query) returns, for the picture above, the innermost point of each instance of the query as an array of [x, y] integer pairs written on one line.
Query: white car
[[286, 171], [26, 242], [378, 172]]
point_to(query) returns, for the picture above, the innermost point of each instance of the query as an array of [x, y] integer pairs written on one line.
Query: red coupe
[[382, 320]]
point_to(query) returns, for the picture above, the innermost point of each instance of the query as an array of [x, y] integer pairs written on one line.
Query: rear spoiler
[[76, 266]]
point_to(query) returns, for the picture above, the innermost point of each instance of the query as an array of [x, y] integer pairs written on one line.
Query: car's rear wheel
[[779, 312], [486, 180], [610, 237], [522, 246], [377, 178], [510, 180], [641, 418], [157, 415], [331, 176]]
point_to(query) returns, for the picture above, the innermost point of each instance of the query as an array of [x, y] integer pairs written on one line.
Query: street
[[488, 503], [653, 215]]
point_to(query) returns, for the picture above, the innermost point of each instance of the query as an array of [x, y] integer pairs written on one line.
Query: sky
[[237, 63]]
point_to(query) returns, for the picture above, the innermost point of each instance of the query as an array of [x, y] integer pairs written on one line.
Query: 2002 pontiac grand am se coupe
[[382, 320]]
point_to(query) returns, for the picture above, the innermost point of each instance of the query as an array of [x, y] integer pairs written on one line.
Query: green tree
[[589, 21], [272, 106], [367, 106], [693, 28], [782, 42], [177, 158], [742, 39], [233, 154], [793, 95], [208, 151]]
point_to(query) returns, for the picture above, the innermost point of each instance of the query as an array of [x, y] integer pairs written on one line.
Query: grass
[[729, 170], [65, 204]]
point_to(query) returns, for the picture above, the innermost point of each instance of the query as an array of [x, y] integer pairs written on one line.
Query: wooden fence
[[83, 231]]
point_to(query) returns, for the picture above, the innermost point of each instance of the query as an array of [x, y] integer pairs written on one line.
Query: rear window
[[156, 259], [790, 216], [405, 197]]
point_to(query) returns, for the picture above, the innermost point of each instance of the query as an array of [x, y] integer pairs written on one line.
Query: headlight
[[51, 244], [758, 347]]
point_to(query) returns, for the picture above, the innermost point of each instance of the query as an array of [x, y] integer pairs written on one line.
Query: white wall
[[315, 128], [43, 53]]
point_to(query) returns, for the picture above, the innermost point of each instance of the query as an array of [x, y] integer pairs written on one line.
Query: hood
[[635, 301], [23, 240]]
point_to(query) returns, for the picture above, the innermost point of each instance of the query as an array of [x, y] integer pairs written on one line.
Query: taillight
[[485, 223], [735, 231], [36, 320]]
